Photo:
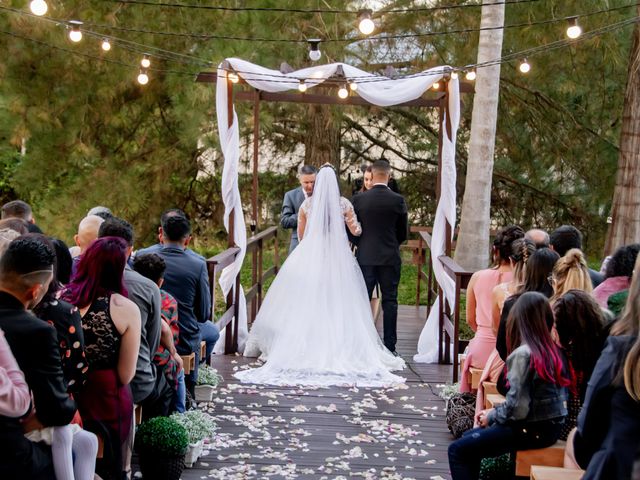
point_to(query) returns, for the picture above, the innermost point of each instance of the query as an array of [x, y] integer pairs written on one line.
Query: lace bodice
[[350, 218], [102, 339]]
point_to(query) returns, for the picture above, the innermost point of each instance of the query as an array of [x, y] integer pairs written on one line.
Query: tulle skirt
[[315, 326]]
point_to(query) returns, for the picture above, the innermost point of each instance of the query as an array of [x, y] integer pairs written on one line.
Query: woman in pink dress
[[479, 302]]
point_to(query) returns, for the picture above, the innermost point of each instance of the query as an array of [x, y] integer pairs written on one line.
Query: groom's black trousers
[[388, 277]]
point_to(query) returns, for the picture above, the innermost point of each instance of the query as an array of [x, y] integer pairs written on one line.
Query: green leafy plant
[[448, 390], [208, 376], [162, 435], [198, 424]]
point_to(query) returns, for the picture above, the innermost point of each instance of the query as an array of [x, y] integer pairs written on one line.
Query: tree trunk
[[625, 223], [472, 250], [322, 142]]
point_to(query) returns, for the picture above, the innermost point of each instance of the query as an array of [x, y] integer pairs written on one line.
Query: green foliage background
[[76, 132]]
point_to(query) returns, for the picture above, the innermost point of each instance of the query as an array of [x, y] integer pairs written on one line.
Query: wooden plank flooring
[[331, 433]]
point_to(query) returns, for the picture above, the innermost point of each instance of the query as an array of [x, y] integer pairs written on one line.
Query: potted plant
[[161, 443], [199, 426], [208, 380]]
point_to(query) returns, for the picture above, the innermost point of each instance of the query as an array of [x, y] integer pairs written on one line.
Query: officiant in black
[[384, 219]]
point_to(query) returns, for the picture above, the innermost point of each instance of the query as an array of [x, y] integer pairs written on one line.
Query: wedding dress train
[[315, 326]]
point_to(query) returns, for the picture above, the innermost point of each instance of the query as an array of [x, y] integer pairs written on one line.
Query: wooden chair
[[552, 456], [539, 472], [476, 375], [188, 363], [492, 400], [489, 388]]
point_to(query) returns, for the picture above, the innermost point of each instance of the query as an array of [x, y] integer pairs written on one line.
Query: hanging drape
[[375, 89]]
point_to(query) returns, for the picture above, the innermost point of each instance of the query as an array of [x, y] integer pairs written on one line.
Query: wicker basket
[[158, 467]]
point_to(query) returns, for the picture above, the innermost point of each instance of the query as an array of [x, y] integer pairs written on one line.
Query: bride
[[315, 326]]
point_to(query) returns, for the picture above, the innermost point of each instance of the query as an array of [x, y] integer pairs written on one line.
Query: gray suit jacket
[[289, 216]]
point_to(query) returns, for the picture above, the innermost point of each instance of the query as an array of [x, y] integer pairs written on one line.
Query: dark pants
[[388, 277], [466, 453], [161, 400]]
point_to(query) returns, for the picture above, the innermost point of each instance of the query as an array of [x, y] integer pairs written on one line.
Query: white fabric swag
[[378, 90]]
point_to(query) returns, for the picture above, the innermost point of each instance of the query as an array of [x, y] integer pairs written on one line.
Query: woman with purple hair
[[111, 326]]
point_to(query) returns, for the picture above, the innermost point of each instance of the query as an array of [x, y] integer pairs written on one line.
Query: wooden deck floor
[[333, 433]]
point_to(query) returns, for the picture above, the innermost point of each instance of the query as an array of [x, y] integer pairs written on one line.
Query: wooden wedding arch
[[448, 329]]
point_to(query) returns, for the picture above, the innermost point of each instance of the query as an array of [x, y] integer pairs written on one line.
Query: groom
[[383, 216]]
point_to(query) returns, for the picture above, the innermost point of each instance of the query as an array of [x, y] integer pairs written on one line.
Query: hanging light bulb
[[366, 25], [38, 7], [436, 86], [454, 75], [146, 61], [573, 30], [524, 66], [471, 75], [143, 78], [353, 86], [106, 45], [314, 49], [233, 77], [343, 92], [302, 86], [75, 35]]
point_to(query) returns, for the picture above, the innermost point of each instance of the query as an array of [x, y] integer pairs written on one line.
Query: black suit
[[383, 216], [34, 344]]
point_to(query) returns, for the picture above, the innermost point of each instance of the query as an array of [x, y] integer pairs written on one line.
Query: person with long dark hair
[[111, 325], [606, 441], [535, 407], [579, 323]]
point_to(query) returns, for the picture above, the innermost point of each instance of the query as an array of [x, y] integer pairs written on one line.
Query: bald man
[[87, 232], [539, 237]]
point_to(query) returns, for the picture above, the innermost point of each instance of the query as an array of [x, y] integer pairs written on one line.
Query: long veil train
[[315, 325]]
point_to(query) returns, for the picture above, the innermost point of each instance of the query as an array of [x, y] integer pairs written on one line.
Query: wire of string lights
[[281, 79], [313, 10]]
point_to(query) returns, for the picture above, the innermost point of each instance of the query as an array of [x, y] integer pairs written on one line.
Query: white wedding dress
[[315, 326]]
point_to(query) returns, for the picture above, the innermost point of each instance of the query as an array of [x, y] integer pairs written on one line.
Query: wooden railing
[[215, 265], [256, 246], [254, 295], [449, 322]]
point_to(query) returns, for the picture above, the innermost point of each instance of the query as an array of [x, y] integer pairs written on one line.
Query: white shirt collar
[[380, 183]]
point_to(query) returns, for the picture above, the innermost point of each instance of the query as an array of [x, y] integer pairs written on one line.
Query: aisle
[[330, 433]]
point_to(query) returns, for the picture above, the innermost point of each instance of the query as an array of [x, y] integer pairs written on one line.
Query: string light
[[106, 45], [366, 25], [343, 92], [146, 61], [454, 75], [436, 86], [471, 75], [353, 85], [233, 77], [573, 30], [75, 35], [302, 86], [524, 66], [314, 49], [38, 7], [143, 78]]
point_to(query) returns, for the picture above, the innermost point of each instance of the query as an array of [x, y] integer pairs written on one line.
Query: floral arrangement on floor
[[198, 424], [208, 376], [447, 390], [162, 435]]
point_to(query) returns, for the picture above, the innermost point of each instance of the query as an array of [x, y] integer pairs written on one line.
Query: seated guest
[[566, 238], [617, 276], [87, 233], [100, 211], [606, 440], [68, 324], [111, 325], [479, 296], [14, 391], [570, 273], [148, 388], [579, 322], [64, 261], [539, 237], [6, 237], [533, 412], [167, 358], [26, 269], [186, 278], [21, 210]]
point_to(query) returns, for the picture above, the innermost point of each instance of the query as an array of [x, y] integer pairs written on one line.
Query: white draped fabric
[[377, 90]]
